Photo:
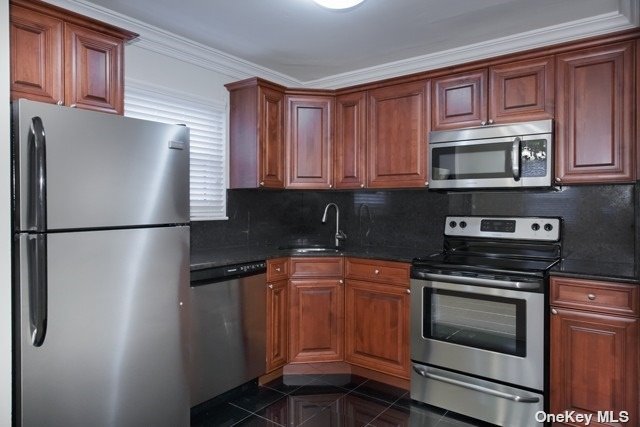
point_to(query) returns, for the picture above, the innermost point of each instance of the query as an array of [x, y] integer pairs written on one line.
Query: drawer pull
[[591, 297], [270, 286], [408, 291], [554, 311], [278, 269], [376, 271], [341, 281]]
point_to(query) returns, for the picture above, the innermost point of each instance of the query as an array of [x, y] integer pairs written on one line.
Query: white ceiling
[[304, 43]]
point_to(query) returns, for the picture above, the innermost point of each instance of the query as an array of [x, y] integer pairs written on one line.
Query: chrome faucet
[[339, 233]]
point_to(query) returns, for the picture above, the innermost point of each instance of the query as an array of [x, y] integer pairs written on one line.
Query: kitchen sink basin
[[310, 249]]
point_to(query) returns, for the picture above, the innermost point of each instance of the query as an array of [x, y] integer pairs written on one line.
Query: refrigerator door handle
[[37, 199], [38, 289]]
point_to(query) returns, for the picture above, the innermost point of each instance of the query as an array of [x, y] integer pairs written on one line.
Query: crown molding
[[169, 44]]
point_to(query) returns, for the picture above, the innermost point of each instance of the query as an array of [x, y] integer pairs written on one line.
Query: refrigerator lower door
[[115, 349]]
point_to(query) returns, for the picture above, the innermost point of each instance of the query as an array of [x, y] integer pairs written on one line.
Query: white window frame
[[211, 201]]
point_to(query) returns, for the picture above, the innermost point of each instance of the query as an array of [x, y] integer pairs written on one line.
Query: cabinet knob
[[341, 281], [59, 102], [361, 185], [482, 123], [426, 183], [278, 269], [554, 311], [376, 271], [330, 185], [408, 291], [558, 180], [261, 183], [73, 105], [490, 121], [591, 297], [270, 286]]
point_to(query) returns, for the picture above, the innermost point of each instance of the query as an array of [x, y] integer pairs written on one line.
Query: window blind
[[208, 147]]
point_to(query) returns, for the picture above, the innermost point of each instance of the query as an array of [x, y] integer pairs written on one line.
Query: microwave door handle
[[515, 158]]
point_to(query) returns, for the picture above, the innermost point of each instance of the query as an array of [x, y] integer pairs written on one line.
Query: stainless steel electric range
[[478, 318]]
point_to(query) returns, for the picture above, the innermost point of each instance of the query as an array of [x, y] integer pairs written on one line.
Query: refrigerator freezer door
[[115, 351], [102, 170]]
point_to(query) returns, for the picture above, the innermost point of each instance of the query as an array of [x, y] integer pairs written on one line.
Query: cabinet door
[[522, 91], [594, 141], [36, 56], [460, 100], [309, 155], [277, 324], [398, 127], [377, 327], [316, 320], [93, 70], [351, 129], [594, 364], [271, 128]]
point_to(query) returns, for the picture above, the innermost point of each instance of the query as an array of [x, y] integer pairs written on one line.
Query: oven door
[[494, 333], [505, 162]]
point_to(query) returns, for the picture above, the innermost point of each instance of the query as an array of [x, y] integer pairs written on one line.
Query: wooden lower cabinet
[[277, 324], [594, 357], [316, 320], [377, 327]]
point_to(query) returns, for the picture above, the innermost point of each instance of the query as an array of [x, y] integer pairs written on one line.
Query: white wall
[[5, 230]]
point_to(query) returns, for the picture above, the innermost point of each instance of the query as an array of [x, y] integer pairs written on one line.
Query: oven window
[[480, 321]]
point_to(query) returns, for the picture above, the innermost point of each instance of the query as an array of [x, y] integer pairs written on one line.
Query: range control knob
[[535, 226], [548, 227], [453, 224], [463, 224]]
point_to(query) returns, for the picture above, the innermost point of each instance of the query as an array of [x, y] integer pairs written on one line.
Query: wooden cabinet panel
[[378, 271], [350, 136], [377, 327], [460, 100], [398, 126], [316, 267], [316, 320], [522, 91], [93, 70], [277, 269], [271, 140], [594, 140], [604, 297], [309, 155], [36, 56], [277, 324], [594, 364]]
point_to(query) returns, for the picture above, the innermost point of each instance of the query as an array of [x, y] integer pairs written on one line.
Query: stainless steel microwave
[[500, 156]]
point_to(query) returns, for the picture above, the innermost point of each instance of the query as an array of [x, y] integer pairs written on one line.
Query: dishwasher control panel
[[245, 268]]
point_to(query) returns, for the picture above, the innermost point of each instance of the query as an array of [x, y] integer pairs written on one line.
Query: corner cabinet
[[594, 349], [595, 122], [61, 57], [515, 91], [397, 139], [309, 149], [377, 316], [256, 134]]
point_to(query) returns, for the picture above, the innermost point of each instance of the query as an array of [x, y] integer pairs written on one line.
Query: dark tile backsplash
[[599, 221]]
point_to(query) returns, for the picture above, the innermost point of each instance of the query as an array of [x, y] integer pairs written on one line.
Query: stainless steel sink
[[310, 249]]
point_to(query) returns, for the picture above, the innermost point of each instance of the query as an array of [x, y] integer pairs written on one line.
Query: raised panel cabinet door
[[522, 91], [316, 320], [594, 364], [93, 70], [271, 141], [277, 324], [377, 327], [460, 100], [309, 155], [398, 126], [594, 141], [350, 136], [36, 56]]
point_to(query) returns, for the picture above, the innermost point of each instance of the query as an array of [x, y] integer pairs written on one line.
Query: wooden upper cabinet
[[398, 126], [309, 155], [512, 92], [350, 137], [460, 100], [256, 134], [594, 127], [58, 56]]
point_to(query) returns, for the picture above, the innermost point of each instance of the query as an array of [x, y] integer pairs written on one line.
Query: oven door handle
[[480, 281], [475, 387]]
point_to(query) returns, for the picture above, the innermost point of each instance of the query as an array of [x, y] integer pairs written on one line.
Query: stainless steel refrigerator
[[101, 251]]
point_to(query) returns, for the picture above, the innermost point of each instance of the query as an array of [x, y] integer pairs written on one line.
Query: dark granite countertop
[[217, 257], [611, 271]]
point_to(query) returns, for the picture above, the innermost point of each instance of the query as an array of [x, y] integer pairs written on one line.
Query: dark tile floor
[[325, 401]]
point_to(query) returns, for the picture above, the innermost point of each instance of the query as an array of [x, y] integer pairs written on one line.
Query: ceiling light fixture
[[338, 4]]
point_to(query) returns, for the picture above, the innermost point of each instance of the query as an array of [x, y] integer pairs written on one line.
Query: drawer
[[377, 271], [593, 295], [277, 269], [316, 267]]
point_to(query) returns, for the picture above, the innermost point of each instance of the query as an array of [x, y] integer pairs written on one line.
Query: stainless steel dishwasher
[[227, 330]]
